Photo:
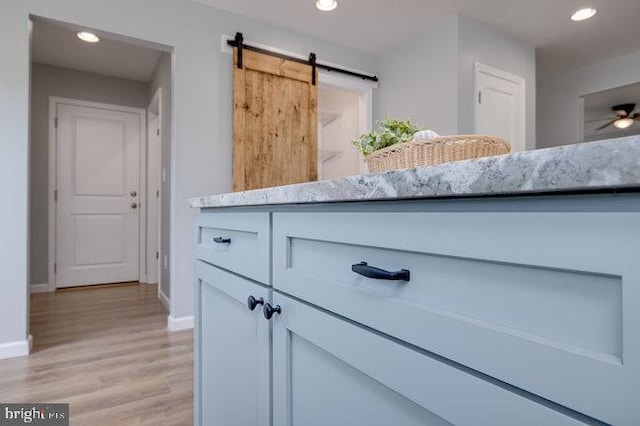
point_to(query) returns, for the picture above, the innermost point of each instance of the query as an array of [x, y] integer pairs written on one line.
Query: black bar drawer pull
[[221, 240], [380, 274]]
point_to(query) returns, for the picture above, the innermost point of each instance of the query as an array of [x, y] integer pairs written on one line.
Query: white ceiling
[[376, 26], [57, 44]]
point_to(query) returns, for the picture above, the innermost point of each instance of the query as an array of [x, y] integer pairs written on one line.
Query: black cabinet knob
[[220, 240], [252, 302], [269, 310]]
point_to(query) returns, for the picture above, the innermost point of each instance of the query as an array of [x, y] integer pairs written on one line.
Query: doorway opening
[[100, 162], [97, 158], [344, 112]]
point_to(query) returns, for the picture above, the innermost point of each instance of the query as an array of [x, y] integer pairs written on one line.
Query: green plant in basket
[[390, 132]]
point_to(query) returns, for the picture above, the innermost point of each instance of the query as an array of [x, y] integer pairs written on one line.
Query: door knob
[[134, 205], [133, 193]]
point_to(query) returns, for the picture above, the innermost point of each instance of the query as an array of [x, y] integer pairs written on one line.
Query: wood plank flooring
[[107, 352]]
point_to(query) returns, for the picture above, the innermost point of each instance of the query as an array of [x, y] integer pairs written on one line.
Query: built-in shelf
[[326, 155]]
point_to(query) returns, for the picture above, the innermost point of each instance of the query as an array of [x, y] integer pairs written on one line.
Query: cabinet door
[[328, 371], [232, 351]]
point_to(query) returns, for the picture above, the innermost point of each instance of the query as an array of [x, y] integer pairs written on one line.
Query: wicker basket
[[439, 150]]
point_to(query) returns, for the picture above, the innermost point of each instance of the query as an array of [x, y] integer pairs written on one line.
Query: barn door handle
[[364, 269], [221, 240]]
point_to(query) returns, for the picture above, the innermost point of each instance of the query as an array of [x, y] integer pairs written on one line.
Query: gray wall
[[202, 117], [419, 80], [46, 81], [560, 108], [431, 79], [161, 79], [14, 161], [479, 43]]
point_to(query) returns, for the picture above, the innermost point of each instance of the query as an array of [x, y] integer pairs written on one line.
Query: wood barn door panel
[[275, 123]]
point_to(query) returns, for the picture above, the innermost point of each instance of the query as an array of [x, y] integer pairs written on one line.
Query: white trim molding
[[165, 301], [16, 349], [40, 288], [181, 323]]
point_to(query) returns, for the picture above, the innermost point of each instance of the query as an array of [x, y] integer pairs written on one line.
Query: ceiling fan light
[[623, 123], [326, 5], [88, 37], [583, 14]]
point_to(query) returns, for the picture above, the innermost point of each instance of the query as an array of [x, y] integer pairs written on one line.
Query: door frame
[[154, 171], [480, 68], [364, 90], [54, 101]]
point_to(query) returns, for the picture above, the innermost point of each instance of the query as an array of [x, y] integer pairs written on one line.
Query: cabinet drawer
[[545, 301], [327, 371], [238, 242]]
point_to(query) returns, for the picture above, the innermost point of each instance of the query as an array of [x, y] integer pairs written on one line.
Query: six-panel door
[[232, 350]]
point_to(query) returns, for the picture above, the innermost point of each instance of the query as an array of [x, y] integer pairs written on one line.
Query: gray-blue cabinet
[[474, 312], [232, 350]]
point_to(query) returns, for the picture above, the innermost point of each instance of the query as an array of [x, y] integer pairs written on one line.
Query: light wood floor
[[108, 353]]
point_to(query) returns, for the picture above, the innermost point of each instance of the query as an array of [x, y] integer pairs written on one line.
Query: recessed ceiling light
[[88, 37], [583, 14], [623, 123], [326, 5]]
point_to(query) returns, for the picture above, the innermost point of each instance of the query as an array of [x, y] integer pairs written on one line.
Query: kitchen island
[[497, 291]]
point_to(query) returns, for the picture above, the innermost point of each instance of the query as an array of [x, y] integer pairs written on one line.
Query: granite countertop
[[609, 164]]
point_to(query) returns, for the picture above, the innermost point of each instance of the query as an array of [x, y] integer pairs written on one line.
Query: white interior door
[[500, 105], [97, 208]]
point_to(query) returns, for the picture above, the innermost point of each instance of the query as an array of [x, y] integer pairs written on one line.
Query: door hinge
[[55, 195], [157, 255], [158, 132], [157, 193], [55, 122], [55, 268], [480, 96]]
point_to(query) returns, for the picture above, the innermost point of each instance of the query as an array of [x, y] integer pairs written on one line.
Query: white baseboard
[[16, 349], [181, 323], [164, 299], [39, 288]]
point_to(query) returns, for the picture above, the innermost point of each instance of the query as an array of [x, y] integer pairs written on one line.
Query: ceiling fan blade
[[595, 120], [607, 125], [623, 110]]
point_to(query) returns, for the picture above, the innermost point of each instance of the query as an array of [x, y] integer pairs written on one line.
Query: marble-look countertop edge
[[604, 165]]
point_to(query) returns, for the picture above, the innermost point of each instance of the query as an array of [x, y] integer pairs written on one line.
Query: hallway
[[106, 351]]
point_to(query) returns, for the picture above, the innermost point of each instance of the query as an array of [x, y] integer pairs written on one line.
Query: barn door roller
[[238, 42]]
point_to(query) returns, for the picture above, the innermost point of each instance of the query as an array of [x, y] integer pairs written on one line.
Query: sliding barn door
[[275, 124]]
